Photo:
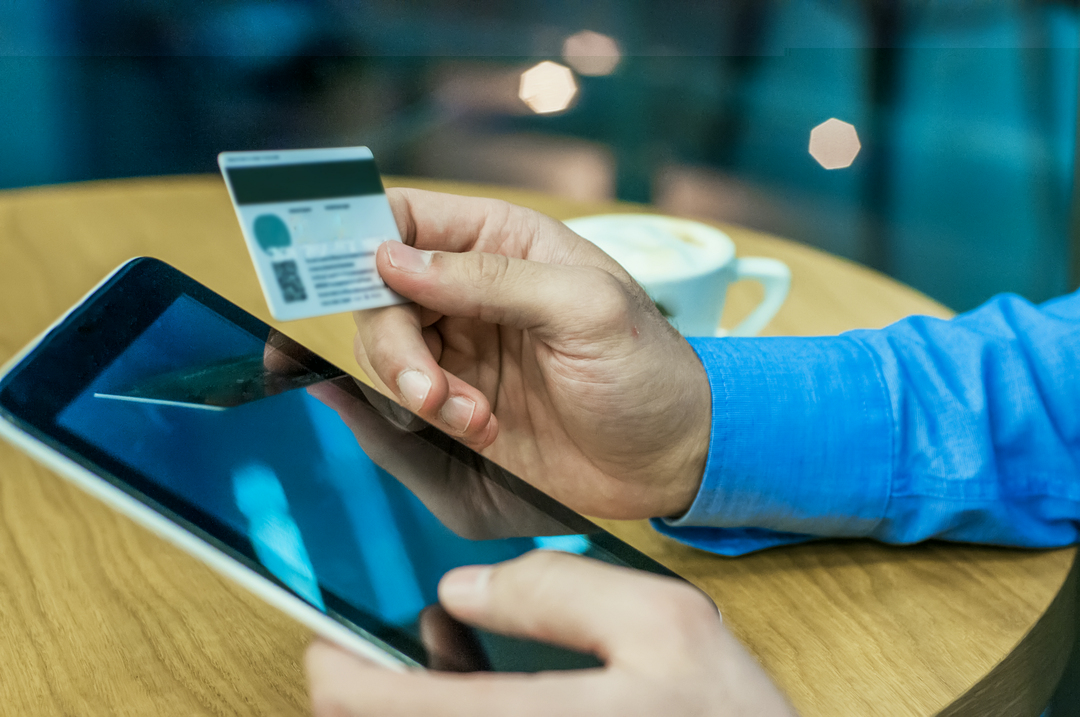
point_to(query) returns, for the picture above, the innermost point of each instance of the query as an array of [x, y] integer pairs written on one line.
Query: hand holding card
[[312, 220]]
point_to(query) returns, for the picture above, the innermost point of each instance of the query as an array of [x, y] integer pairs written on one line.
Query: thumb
[[566, 600], [554, 300]]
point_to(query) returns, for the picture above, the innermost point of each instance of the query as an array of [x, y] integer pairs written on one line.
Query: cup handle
[[775, 277]]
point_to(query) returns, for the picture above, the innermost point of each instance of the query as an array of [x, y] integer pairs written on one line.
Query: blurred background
[[953, 173]]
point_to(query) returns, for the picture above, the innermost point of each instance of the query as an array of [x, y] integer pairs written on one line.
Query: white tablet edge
[[190, 543]]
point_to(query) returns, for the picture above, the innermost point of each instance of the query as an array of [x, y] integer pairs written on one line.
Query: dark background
[[966, 110]]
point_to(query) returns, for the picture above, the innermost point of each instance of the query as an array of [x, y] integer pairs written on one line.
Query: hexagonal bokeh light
[[547, 87], [591, 53], [834, 144]]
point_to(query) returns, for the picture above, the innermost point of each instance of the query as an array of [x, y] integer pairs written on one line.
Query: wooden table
[[97, 616]]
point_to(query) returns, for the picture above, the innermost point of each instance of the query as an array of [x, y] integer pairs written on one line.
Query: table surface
[[98, 616]]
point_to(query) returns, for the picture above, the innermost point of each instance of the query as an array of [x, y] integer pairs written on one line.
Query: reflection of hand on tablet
[[664, 650], [529, 343], [277, 361], [465, 502]]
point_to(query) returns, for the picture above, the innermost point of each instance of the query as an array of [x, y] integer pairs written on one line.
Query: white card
[[312, 220]]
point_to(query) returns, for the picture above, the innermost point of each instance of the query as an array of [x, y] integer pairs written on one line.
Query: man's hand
[[530, 344], [664, 649]]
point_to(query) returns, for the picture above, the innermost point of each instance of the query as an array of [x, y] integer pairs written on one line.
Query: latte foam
[[655, 248]]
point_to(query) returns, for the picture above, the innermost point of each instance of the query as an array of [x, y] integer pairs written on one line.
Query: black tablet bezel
[[106, 323]]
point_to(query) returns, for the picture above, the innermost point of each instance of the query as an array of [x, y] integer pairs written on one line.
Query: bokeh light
[[834, 144], [547, 87], [591, 53]]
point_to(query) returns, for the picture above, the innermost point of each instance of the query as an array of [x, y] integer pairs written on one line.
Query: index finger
[[448, 222], [274, 359]]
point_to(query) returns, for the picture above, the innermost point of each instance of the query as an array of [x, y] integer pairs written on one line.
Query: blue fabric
[[965, 430]]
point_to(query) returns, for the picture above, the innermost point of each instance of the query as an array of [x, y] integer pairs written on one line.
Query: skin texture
[[664, 649], [534, 347], [531, 345]]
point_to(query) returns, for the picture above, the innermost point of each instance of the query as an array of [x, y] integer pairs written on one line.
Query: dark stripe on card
[[304, 182]]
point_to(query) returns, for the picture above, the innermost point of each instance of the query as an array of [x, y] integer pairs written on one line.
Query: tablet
[[282, 472]]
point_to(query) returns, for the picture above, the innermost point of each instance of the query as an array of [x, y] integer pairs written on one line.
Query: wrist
[[692, 452]]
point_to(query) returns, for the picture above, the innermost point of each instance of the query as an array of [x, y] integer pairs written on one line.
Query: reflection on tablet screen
[[338, 502]]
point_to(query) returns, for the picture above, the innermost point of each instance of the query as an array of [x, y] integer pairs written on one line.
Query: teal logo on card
[[271, 232]]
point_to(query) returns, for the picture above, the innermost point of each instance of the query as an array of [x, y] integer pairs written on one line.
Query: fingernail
[[457, 412], [465, 586], [404, 257], [413, 386]]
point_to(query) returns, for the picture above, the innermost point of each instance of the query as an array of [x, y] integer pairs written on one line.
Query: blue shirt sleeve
[[965, 430]]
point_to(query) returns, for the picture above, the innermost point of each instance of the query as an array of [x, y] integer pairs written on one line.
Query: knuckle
[[487, 274], [498, 220], [382, 357], [369, 323], [530, 581], [611, 303], [543, 559], [689, 610], [382, 364], [679, 622], [486, 271], [534, 569]]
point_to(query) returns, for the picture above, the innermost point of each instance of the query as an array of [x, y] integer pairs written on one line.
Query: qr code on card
[[288, 278]]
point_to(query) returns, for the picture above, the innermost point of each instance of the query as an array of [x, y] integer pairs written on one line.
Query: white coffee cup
[[686, 268]]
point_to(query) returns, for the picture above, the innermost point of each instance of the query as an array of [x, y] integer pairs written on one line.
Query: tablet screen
[[353, 504]]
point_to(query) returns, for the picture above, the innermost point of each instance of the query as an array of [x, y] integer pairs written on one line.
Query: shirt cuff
[[801, 444]]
